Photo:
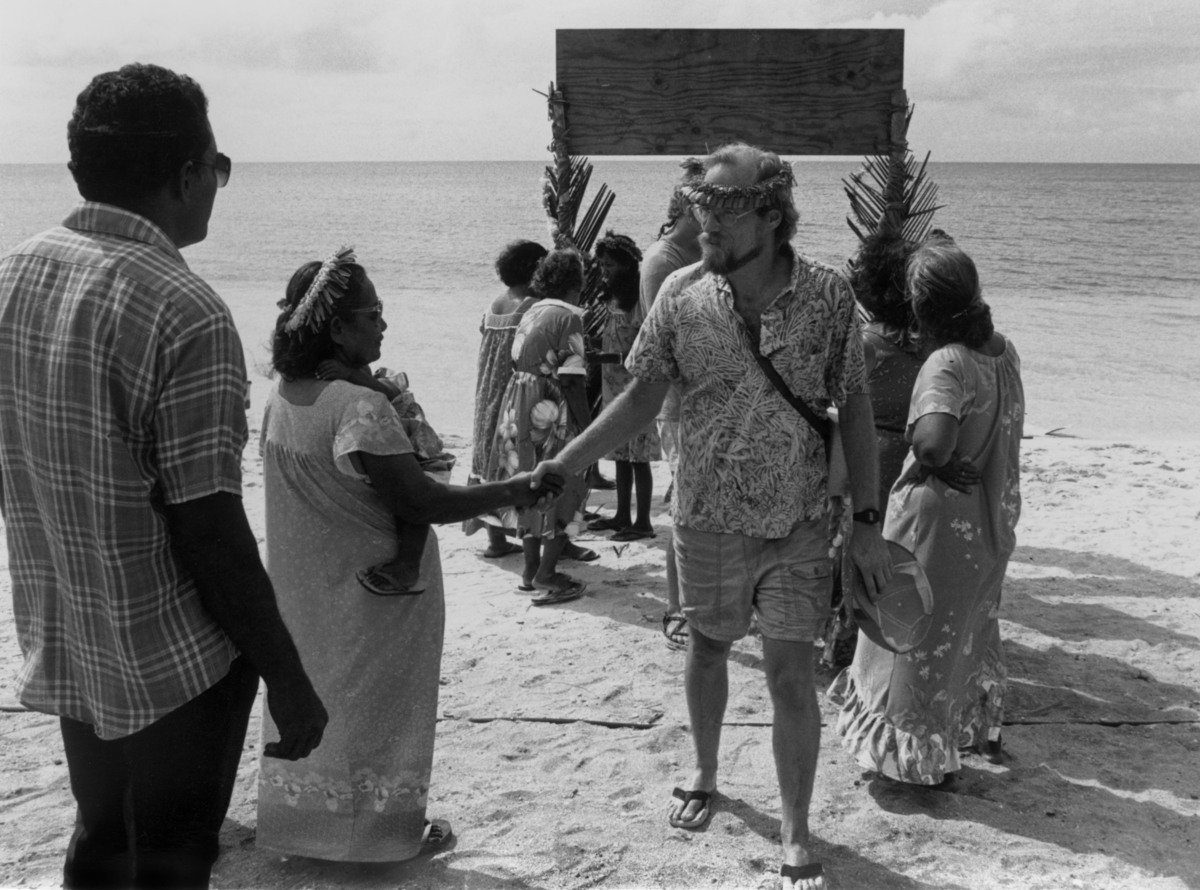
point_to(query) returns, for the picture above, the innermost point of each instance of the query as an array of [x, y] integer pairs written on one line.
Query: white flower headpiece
[[328, 285]]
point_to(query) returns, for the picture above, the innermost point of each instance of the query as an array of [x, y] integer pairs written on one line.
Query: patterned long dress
[[906, 716], [375, 661], [620, 330], [535, 423], [495, 370]]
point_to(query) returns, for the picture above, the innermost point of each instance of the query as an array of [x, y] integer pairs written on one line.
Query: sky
[[1098, 81]]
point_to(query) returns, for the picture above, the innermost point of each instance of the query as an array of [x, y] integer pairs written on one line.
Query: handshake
[[541, 487]]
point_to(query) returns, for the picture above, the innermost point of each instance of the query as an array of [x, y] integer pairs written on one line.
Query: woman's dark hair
[[559, 272], [297, 353], [877, 274], [517, 262], [947, 300], [625, 287], [133, 130]]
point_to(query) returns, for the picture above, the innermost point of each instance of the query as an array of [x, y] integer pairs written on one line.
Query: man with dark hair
[[142, 608], [750, 532]]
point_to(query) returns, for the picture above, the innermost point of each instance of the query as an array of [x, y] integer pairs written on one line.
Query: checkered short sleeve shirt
[[122, 388]]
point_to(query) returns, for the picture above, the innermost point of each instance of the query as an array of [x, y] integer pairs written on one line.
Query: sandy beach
[[563, 729]]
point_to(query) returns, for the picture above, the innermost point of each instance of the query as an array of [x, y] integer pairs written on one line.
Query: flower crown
[[775, 189], [327, 286], [622, 244]]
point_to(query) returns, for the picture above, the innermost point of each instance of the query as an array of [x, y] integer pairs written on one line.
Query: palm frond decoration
[[892, 195], [564, 184], [563, 187], [892, 202]]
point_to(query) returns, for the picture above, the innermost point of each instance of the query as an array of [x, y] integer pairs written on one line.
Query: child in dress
[[619, 259], [401, 575]]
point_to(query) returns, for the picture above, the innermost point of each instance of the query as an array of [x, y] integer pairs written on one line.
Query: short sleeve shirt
[[749, 463], [122, 390]]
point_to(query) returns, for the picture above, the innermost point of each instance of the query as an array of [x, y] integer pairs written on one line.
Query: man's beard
[[722, 262]]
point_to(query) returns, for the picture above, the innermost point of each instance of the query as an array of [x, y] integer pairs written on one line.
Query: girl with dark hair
[[619, 258], [544, 407], [338, 470], [910, 716], [515, 267]]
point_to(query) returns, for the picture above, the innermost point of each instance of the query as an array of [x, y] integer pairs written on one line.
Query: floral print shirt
[[749, 463]]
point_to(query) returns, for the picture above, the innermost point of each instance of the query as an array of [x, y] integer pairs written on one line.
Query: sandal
[[675, 629], [437, 834], [679, 802], [508, 549], [382, 583], [563, 593], [632, 534], [579, 554], [812, 875], [607, 525]]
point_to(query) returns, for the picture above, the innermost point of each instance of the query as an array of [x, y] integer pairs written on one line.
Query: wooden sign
[[680, 92]]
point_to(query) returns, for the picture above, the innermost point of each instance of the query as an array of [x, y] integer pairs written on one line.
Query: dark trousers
[[150, 805]]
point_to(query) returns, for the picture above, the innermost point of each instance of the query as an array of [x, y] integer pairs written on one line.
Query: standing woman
[[908, 716], [544, 407], [337, 470], [515, 267], [619, 259]]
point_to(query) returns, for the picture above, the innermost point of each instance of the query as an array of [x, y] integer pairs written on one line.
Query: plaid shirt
[[122, 385], [749, 463]]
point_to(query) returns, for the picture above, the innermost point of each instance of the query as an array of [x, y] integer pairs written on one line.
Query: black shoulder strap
[[823, 425]]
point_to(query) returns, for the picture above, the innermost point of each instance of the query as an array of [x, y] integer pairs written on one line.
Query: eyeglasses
[[222, 167], [724, 218], [376, 311]]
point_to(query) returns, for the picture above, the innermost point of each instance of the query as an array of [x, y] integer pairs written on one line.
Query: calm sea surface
[[1092, 270]]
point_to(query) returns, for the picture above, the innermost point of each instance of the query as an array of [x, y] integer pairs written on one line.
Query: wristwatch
[[870, 517]]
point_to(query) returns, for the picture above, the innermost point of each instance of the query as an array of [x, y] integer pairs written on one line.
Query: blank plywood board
[[675, 92]]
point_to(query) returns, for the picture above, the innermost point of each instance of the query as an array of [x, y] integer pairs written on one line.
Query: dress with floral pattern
[[620, 330], [535, 423], [906, 716], [749, 463], [375, 661]]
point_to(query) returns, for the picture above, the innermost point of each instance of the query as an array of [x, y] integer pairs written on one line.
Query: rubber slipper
[[525, 588], [675, 629], [549, 597], [632, 534], [579, 554], [813, 873], [607, 525], [380, 583], [679, 802], [436, 834], [509, 550]]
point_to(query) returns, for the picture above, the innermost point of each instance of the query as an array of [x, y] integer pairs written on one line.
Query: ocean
[[1093, 271]]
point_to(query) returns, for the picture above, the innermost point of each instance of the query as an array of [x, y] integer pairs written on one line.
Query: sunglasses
[[724, 218], [222, 167]]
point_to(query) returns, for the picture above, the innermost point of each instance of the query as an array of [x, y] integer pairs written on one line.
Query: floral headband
[[328, 286], [774, 189], [622, 244]]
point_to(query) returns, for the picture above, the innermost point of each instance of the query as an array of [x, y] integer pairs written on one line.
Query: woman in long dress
[[544, 408], [337, 469], [515, 266], [908, 716]]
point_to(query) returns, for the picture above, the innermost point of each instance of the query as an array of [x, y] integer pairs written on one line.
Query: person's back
[[89, 319], [142, 608]]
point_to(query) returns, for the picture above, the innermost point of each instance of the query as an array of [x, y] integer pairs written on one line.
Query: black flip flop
[[381, 583]]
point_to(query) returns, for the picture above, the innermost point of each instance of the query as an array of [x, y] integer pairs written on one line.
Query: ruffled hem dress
[[907, 716], [495, 369], [375, 661]]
